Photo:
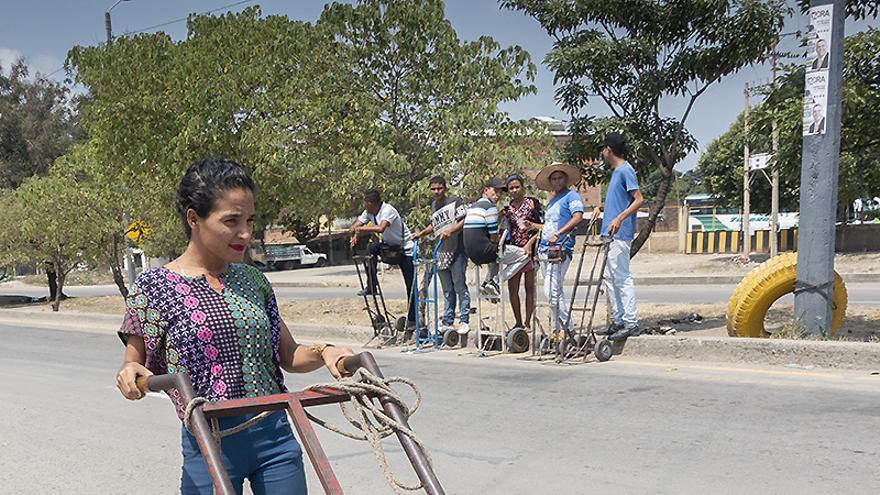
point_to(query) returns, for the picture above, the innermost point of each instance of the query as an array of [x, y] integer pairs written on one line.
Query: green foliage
[[382, 94], [859, 173], [37, 124], [631, 54]]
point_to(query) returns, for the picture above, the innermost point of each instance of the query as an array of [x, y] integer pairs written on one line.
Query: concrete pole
[[818, 201], [747, 239], [774, 182], [129, 259]]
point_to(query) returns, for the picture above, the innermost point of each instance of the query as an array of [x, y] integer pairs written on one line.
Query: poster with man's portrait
[[819, 38], [815, 103]]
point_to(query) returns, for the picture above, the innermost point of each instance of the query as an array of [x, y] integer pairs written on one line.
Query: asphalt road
[[859, 293], [494, 426]]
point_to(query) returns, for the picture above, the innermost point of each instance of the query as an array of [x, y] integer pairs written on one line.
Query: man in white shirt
[[395, 246]]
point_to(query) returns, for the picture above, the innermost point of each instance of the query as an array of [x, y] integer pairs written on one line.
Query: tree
[[633, 54], [429, 102], [49, 219], [38, 124], [107, 204], [382, 94], [240, 86], [859, 173]]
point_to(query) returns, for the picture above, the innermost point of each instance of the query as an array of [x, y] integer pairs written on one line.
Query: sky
[[43, 31]]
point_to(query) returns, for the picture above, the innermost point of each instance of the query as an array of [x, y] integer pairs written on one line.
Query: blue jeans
[[267, 454], [619, 283], [554, 291], [454, 283]]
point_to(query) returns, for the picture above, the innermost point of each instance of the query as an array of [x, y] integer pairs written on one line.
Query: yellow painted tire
[[762, 286]]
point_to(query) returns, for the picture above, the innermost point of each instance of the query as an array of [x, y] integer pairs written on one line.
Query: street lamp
[[107, 24]]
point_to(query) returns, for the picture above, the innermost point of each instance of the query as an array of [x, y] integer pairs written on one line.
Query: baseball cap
[[496, 183]]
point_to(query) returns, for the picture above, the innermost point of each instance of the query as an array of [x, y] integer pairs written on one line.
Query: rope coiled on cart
[[363, 387], [198, 402]]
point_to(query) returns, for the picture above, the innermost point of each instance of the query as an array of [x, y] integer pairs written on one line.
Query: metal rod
[[209, 447], [416, 457], [313, 448]]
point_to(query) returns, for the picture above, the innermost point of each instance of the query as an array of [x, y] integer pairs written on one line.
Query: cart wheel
[[400, 324], [517, 340], [602, 350], [450, 337]]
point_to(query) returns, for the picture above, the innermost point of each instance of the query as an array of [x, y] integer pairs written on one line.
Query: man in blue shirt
[[622, 200], [563, 213]]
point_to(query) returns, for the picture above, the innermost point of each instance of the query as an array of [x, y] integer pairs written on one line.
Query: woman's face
[[515, 189], [226, 232], [559, 181]]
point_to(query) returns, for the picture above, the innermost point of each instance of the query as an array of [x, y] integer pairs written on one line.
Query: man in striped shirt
[[481, 233]]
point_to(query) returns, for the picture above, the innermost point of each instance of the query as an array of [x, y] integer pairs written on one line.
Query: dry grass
[[862, 323]]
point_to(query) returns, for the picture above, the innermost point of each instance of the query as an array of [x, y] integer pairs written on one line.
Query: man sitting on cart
[[395, 246], [622, 201], [481, 233]]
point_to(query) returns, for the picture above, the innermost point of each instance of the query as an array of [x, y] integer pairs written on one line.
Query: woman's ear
[[192, 218]]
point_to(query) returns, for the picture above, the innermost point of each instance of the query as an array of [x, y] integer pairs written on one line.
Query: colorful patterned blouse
[[528, 209], [227, 341]]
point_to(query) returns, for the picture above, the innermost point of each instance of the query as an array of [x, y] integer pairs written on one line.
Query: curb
[[796, 353], [645, 281], [799, 353]]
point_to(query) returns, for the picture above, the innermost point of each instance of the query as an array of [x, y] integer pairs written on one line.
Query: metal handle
[[416, 457], [209, 447]]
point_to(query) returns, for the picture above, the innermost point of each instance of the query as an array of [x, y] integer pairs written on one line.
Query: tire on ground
[[761, 287]]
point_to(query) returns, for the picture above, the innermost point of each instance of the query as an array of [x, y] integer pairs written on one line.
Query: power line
[[150, 28], [168, 23]]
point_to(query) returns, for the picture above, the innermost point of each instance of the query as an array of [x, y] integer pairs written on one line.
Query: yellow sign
[[136, 232]]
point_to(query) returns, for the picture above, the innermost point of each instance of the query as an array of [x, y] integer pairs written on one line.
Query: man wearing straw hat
[[622, 200], [563, 213]]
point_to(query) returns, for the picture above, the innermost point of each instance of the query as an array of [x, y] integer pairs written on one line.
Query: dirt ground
[[860, 324], [646, 264], [643, 265]]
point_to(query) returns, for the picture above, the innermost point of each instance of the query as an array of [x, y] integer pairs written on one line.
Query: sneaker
[[463, 328], [623, 334], [490, 289], [365, 292], [612, 328]]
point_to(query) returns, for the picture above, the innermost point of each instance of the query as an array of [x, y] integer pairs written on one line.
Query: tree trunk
[[654, 212], [62, 276], [115, 268]]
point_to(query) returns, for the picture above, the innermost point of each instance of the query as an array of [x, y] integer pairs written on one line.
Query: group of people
[[536, 235], [208, 314]]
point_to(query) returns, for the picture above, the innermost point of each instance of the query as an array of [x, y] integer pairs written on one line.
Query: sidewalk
[[643, 272], [800, 354]]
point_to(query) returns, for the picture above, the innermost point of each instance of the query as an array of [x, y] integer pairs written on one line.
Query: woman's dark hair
[[204, 181]]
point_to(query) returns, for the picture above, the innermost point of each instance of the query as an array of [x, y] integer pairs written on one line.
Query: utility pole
[[129, 258], [814, 286], [774, 179], [747, 239]]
